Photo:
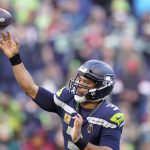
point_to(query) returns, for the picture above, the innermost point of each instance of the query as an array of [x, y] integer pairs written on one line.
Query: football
[[5, 18]]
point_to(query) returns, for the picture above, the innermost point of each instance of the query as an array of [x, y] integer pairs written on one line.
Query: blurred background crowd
[[56, 36]]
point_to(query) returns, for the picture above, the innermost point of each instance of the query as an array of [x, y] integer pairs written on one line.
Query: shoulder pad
[[59, 92], [114, 114], [64, 94]]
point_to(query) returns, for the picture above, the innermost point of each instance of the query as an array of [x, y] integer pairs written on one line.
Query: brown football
[[5, 18]]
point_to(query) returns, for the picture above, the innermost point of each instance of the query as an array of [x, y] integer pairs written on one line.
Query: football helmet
[[103, 76]]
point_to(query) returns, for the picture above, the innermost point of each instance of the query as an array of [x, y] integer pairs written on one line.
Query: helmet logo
[[108, 80]]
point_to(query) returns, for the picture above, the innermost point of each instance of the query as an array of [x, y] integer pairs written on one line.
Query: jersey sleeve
[[53, 102], [45, 99], [111, 136]]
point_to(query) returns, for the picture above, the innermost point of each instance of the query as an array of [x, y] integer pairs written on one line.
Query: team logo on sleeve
[[90, 128], [67, 118], [118, 118]]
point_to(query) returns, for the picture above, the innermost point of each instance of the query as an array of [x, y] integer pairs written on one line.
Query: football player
[[89, 121]]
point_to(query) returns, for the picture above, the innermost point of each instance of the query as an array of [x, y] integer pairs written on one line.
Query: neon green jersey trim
[[59, 92]]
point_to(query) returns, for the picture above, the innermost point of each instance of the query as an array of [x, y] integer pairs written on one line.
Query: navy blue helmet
[[103, 76]]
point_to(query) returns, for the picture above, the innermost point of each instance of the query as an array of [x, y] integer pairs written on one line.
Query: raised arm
[[10, 48]]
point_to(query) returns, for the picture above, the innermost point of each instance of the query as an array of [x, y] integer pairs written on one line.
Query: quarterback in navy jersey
[[89, 121]]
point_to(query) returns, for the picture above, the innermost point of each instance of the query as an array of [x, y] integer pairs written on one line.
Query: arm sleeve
[[111, 138], [45, 100]]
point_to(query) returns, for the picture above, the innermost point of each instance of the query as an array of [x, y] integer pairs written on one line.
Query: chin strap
[[79, 99], [82, 99]]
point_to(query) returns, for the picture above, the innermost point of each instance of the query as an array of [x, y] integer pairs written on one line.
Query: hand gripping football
[[5, 18]]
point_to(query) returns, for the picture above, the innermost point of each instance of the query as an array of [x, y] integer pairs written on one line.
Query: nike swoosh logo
[[118, 117]]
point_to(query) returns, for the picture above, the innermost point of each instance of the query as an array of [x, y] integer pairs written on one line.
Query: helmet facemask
[[94, 94], [74, 85]]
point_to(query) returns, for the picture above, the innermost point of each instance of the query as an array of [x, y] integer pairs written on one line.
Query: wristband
[[15, 60], [81, 143]]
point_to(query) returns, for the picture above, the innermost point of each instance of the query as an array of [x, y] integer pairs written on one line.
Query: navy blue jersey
[[101, 126]]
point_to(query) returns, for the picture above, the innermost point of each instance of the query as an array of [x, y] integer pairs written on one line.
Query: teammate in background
[[89, 121]]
